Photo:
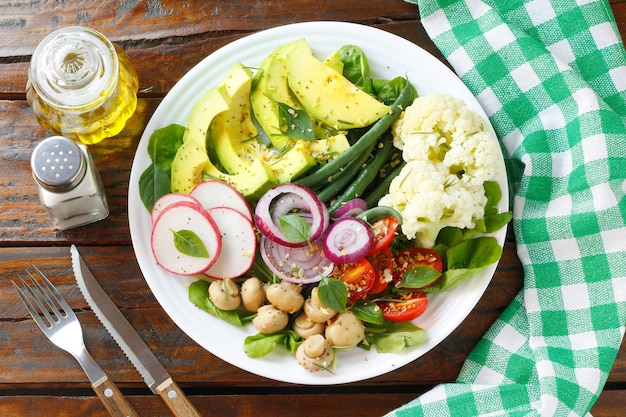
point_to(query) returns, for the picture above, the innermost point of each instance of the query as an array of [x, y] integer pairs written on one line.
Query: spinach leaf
[[393, 337], [356, 68], [388, 91], [154, 183], [163, 145], [261, 344]]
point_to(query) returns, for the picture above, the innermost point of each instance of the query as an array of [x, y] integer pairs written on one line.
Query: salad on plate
[[298, 226], [320, 209]]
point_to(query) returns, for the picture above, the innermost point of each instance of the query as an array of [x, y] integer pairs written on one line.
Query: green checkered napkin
[[551, 75]]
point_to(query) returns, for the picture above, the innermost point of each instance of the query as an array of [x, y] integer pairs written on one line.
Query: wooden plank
[[222, 404]]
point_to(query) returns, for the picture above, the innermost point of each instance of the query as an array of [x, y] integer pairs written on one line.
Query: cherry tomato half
[[384, 230], [410, 258], [358, 277], [382, 262], [410, 305]]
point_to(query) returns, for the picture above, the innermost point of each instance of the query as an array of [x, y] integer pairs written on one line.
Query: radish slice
[[168, 199], [298, 265], [214, 193], [351, 208], [238, 243], [283, 199], [174, 219], [348, 240]]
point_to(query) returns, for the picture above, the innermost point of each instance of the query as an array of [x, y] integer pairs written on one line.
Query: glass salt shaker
[[80, 85], [70, 188]]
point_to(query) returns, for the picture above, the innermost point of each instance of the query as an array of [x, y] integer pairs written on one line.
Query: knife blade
[[152, 371]]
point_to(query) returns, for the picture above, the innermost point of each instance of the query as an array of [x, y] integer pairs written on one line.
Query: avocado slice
[[191, 158], [269, 88], [327, 95], [215, 116]]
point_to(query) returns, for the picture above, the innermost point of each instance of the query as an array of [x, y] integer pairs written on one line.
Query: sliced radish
[[214, 193], [238, 243], [168, 199], [181, 218]]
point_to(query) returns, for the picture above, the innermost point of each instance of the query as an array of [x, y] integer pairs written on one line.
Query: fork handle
[[113, 399]]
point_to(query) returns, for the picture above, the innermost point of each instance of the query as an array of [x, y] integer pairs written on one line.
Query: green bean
[[340, 180], [382, 188], [379, 212], [367, 175]]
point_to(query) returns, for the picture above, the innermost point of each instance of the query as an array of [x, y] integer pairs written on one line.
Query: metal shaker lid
[[58, 164]]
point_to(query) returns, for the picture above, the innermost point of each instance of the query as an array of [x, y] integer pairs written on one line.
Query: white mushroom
[[316, 310], [225, 294], [345, 331], [315, 354], [270, 320], [252, 294], [285, 296], [306, 327]]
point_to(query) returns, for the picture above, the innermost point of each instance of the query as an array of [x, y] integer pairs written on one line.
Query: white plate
[[389, 56]]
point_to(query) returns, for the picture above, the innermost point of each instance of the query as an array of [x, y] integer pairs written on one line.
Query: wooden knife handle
[[113, 399], [176, 400]]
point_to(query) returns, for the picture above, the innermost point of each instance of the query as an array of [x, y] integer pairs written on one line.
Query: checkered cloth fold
[[551, 75]]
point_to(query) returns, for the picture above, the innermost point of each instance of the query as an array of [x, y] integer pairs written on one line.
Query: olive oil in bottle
[[81, 86]]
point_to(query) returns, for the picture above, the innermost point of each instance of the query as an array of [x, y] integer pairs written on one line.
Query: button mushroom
[[270, 320], [252, 294], [315, 353], [225, 294], [285, 296], [316, 310], [345, 332], [306, 327]]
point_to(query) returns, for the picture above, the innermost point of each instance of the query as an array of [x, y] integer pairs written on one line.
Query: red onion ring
[[348, 240], [303, 265], [282, 199], [350, 208]]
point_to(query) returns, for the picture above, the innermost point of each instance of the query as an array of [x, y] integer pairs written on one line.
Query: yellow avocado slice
[[192, 164], [327, 95]]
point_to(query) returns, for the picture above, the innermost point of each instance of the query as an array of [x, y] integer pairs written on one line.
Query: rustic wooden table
[[164, 40]]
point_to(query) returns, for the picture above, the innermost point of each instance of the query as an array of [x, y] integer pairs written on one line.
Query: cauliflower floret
[[448, 157]]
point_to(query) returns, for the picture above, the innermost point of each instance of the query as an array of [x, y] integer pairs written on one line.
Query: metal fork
[[59, 323]]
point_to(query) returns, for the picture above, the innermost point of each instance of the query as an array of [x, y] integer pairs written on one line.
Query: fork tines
[[45, 299]]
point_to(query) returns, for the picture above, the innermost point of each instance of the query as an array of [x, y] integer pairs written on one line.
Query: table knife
[[139, 354]]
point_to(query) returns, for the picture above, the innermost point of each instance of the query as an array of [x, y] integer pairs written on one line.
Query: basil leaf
[[333, 293], [368, 312], [294, 227], [419, 276], [189, 243], [154, 183], [295, 123]]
